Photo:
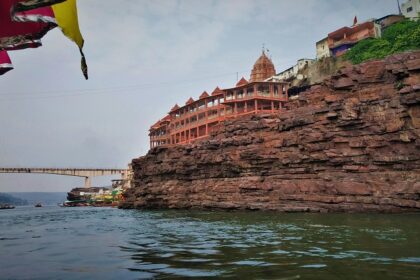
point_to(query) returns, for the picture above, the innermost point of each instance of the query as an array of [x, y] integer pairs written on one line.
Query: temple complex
[[198, 118]]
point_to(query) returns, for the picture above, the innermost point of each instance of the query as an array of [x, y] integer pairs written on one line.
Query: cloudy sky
[[143, 57]]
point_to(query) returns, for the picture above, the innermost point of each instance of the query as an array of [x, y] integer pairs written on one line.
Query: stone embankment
[[349, 144]]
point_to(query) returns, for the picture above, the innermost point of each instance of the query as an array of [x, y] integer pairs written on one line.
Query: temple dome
[[263, 69]]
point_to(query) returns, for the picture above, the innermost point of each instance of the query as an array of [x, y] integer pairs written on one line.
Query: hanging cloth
[[24, 22], [5, 63]]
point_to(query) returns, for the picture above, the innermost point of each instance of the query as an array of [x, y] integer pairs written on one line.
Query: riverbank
[[349, 144]]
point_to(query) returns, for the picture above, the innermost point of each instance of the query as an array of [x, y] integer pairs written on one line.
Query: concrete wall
[[389, 20], [411, 8], [322, 49], [294, 70]]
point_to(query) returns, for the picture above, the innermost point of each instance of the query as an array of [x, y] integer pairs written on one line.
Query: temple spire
[[263, 68]]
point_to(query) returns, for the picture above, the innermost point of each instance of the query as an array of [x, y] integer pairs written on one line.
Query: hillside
[[349, 144], [9, 199], [45, 198]]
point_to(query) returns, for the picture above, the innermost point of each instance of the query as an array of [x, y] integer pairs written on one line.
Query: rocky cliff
[[349, 144]]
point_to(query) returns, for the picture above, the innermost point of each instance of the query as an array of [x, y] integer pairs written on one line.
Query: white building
[[293, 71], [411, 8], [322, 49]]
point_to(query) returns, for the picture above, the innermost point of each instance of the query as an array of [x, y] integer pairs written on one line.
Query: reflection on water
[[82, 243]]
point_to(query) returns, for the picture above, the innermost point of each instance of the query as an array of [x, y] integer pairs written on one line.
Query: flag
[[66, 15], [5, 63], [24, 22], [355, 20]]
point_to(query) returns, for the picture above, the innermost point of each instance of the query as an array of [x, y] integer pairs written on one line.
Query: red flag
[[24, 22], [355, 20], [5, 63], [18, 35]]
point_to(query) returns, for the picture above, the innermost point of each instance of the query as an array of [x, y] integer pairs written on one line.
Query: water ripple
[[110, 243]]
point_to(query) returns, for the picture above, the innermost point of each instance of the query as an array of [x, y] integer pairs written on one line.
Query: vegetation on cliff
[[400, 37]]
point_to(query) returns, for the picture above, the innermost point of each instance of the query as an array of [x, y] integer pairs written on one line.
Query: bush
[[400, 37]]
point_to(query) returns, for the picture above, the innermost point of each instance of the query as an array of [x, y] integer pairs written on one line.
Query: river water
[[106, 243]]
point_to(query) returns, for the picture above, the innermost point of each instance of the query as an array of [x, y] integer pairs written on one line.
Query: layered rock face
[[349, 144]]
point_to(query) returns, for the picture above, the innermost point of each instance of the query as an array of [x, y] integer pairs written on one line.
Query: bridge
[[87, 173]]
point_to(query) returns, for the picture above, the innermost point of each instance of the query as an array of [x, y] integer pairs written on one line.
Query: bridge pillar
[[88, 182]]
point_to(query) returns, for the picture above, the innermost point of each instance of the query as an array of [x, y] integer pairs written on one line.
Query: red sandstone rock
[[354, 150], [343, 83]]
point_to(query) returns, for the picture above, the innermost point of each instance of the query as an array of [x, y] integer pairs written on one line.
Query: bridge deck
[[79, 172]]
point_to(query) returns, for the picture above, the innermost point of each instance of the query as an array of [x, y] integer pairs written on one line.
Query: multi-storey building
[[344, 38], [198, 118]]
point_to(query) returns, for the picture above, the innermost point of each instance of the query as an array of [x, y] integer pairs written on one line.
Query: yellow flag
[[66, 16]]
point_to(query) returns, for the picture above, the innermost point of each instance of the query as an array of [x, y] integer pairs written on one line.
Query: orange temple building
[[198, 118]]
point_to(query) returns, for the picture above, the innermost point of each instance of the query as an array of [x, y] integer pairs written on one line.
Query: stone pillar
[[256, 105], [272, 106], [88, 182]]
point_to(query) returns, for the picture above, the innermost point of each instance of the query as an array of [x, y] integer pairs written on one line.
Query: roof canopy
[[204, 95], [217, 91], [338, 34], [189, 101], [176, 107], [242, 82]]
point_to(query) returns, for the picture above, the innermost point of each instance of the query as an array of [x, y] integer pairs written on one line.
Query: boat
[[75, 203], [6, 206], [38, 205]]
